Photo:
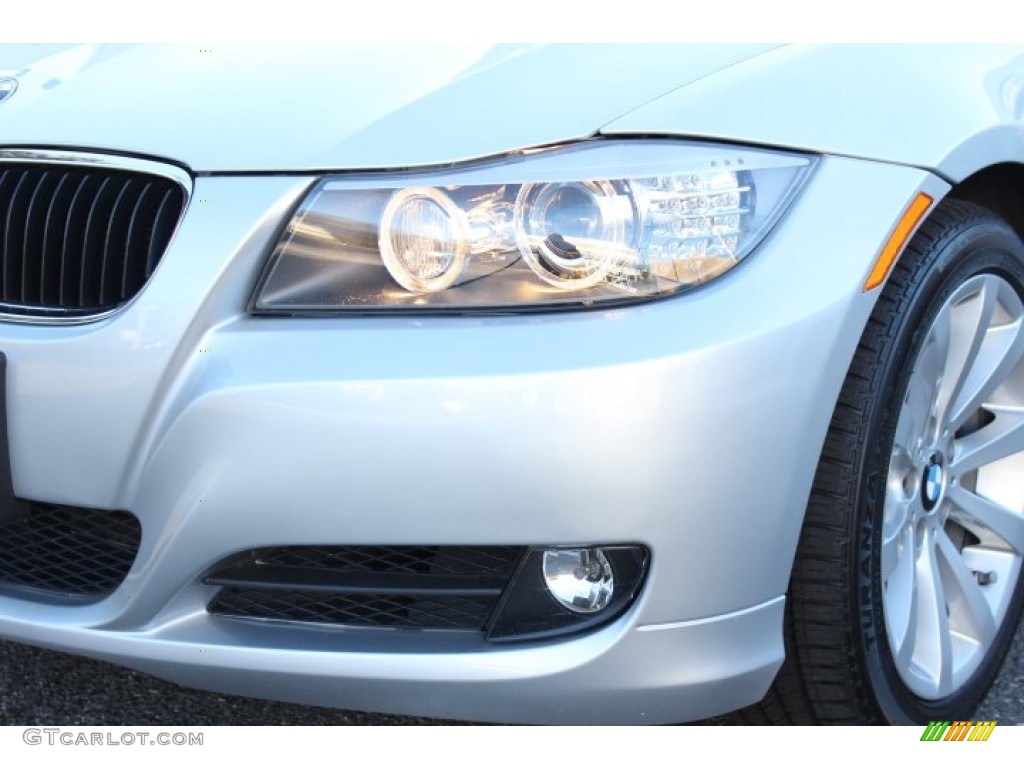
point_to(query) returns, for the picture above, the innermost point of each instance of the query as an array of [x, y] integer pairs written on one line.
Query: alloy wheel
[[953, 521]]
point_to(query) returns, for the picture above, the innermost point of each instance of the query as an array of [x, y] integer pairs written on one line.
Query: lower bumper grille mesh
[[68, 551], [441, 612], [434, 587]]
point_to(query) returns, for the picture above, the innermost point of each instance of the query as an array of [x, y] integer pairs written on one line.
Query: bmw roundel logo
[[933, 482], [8, 85]]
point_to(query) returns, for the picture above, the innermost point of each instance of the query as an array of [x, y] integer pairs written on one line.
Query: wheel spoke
[[897, 534], [914, 417], [934, 647], [975, 511], [922, 390], [904, 637], [933, 361], [890, 556], [998, 353], [900, 596], [1003, 437], [967, 605], [965, 326]]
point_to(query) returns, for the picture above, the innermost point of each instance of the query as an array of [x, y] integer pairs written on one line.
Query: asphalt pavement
[[39, 687]]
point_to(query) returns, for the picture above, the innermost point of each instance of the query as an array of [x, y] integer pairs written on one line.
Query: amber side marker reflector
[[914, 213]]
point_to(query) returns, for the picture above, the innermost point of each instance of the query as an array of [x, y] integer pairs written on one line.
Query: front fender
[[950, 109]]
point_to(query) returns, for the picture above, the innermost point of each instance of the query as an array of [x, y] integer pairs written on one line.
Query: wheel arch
[[1000, 189]]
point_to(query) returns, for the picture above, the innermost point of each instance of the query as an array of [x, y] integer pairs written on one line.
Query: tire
[[907, 586]]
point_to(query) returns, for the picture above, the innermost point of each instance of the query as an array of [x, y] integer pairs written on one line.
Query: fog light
[[558, 592], [580, 579]]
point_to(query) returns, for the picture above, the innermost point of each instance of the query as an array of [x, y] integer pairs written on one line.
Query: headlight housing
[[600, 222]]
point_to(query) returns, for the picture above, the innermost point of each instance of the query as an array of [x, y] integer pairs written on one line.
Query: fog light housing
[[565, 590]]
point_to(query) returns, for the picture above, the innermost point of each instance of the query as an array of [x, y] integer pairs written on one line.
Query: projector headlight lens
[[573, 234]]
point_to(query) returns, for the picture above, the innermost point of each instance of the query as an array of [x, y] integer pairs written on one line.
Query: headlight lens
[[422, 238], [598, 222]]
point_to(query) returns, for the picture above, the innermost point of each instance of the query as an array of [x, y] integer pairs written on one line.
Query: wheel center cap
[[933, 483]]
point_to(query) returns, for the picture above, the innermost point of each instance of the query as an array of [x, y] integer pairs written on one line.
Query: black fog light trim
[[529, 611]]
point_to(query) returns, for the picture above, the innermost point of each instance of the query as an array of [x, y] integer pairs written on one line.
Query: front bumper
[[621, 674], [690, 425]]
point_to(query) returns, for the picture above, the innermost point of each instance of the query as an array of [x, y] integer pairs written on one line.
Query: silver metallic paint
[[698, 420], [950, 108], [400, 430], [335, 107]]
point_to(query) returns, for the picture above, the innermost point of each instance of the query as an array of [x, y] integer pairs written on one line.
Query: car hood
[[260, 108]]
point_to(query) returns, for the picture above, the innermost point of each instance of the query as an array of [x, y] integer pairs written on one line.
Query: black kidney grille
[[68, 551], [413, 587], [79, 241]]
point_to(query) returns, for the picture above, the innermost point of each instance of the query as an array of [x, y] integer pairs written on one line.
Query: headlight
[[593, 223]]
